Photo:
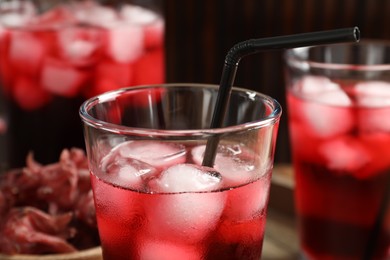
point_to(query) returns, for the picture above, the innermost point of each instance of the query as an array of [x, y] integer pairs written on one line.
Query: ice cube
[[127, 172], [158, 154], [188, 178], [91, 13], [17, 14], [62, 79], [187, 211], [236, 165], [26, 52], [344, 154], [137, 14], [80, 46], [165, 250], [374, 98], [125, 43], [324, 112]]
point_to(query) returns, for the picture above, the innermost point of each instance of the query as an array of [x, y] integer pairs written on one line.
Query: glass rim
[[293, 58], [88, 119]]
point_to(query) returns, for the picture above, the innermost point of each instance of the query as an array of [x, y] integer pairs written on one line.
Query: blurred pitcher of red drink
[[56, 54], [339, 117]]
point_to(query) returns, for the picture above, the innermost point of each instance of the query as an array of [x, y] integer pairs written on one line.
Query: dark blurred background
[[199, 33]]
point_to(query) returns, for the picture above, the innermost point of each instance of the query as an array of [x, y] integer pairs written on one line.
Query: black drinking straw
[[253, 46]]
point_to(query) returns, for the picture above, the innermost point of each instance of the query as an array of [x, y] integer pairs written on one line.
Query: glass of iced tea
[[153, 197], [55, 54], [339, 118]]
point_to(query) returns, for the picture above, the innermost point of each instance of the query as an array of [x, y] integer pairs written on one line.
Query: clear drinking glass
[[153, 198], [55, 54], [339, 117]]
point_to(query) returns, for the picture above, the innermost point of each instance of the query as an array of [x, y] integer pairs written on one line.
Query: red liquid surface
[[222, 224], [52, 63], [342, 167]]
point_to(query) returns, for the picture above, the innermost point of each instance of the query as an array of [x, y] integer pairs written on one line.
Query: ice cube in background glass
[[80, 46], [327, 115], [61, 79], [26, 52], [155, 249], [125, 43], [137, 14], [152, 23], [374, 99], [344, 154], [91, 13], [185, 216], [158, 154], [235, 165], [16, 13]]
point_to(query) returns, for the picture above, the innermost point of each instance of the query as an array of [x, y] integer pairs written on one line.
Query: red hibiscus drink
[[339, 110], [54, 55], [153, 197]]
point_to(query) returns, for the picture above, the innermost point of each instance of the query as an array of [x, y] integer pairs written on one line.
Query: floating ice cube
[[344, 154], [185, 215], [125, 43], [127, 172], [154, 34], [26, 52], [62, 79], [236, 165], [80, 46], [137, 14], [188, 178], [324, 111], [158, 154], [17, 13], [374, 98], [164, 250], [91, 13]]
